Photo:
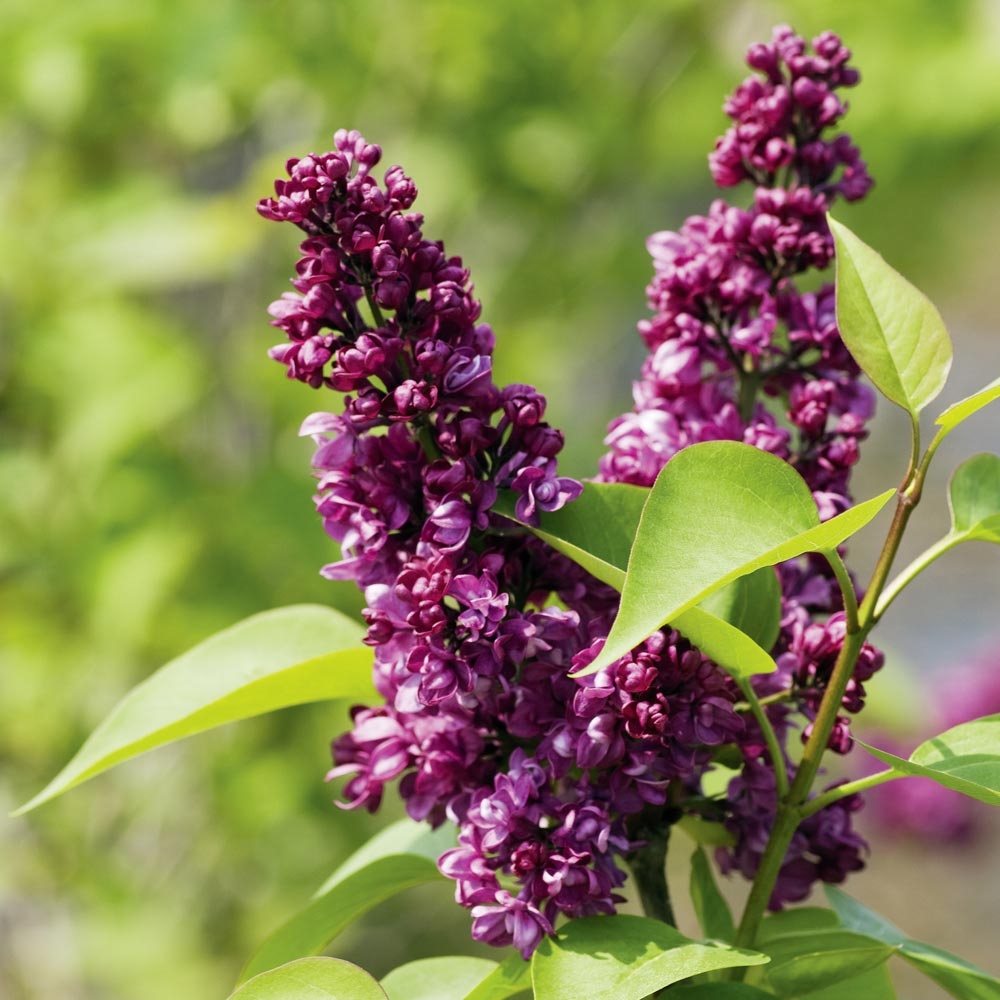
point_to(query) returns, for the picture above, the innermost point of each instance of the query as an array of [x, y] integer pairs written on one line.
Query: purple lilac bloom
[[730, 337], [475, 625]]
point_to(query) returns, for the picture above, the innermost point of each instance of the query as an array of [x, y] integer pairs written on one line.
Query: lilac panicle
[[731, 329], [476, 625]]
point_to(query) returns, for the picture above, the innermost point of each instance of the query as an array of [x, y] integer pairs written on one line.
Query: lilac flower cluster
[[481, 724], [731, 339], [475, 624]]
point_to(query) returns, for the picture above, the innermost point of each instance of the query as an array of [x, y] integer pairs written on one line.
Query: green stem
[[832, 556], [770, 737], [791, 807], [847, 788], [649, 869], [906, 576]]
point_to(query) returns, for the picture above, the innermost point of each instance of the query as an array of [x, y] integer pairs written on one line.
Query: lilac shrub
[[551, 779]]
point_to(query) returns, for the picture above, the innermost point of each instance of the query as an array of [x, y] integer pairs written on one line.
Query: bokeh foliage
[[153, 489]]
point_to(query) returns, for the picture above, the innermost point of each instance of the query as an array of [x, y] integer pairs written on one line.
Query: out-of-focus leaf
[[893, 330], [312, 979], [960, 978], [807, 961], [315, 926], [624, 958], [974, 497], [712, 910], [284, 657], [445, 978], [405, 836]]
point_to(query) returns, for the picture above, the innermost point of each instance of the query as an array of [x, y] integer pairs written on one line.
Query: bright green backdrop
[[152, 488]]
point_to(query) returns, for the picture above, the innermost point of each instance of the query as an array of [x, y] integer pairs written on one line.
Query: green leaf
[[706, 832], [444, 978], [719, 490], [965, 408], [315, 926], [405, 836], [719, 991], [284, 657], [596, 531], [875, 984], [807, 961], [974, 497], [732, 649], [624, 958], [510, 979], [458, 978], [752, 604], [892, 329], [312, 979], [966, 759], [710, 906], [960, 978], [796, 920]]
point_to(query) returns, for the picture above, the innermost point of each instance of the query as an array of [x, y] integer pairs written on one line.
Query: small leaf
[[284, 657], [960, 978], [312, 979], [315, 926], [624, 958], [444, 978], [757, 503], [710, 906], [974, 497], [892, 329], [966, 759], [959, 412], [807, 961]]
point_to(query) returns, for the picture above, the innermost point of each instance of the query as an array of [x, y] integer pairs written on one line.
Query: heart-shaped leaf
[[284, 657], [966, 759], [960, 978], [717, 490], [596, 531], [974, 497], [312, 979], [624, 958], [892, 329]]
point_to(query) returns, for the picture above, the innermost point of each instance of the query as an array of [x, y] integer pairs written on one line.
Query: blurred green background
[[152, 487]]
